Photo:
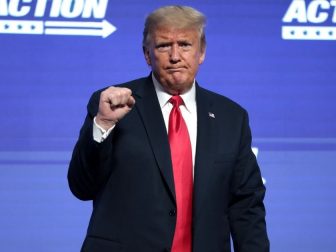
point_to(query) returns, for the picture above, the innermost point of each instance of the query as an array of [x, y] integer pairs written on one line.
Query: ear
[[147, 56], [202, 55]]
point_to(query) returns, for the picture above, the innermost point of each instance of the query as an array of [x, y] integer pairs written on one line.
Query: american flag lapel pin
[[211, 115]]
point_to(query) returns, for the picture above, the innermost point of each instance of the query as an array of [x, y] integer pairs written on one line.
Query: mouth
[[175, 69]]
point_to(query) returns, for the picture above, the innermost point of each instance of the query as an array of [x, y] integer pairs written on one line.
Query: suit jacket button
[[172, 212]]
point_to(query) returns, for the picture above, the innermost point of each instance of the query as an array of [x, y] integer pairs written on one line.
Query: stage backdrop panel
[[275, 58]]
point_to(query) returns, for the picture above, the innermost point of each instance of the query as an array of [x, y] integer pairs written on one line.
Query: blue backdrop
[[275, 58]]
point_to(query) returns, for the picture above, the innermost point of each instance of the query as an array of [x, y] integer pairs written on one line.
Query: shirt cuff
[[100, 134]]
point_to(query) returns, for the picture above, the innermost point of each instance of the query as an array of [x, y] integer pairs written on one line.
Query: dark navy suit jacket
[[129, 178]]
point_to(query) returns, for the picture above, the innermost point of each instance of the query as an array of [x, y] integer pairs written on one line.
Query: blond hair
[[175, 16]]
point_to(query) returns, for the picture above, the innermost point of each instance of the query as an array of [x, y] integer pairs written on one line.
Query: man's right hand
[[114, 104]]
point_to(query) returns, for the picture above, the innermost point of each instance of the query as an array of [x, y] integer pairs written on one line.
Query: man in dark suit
[[168, 164]]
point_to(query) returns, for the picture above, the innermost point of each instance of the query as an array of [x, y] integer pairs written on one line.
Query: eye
[[163, 47], [185, 45]]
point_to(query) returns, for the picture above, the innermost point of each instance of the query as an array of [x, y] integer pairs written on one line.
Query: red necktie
[[181, 156]]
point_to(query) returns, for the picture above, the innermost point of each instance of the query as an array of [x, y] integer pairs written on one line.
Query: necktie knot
[[176, 100]]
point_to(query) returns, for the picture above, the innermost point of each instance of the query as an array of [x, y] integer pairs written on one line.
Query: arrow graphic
[[309, 32], [102, 29], [21, 27]]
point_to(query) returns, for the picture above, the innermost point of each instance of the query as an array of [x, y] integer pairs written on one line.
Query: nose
[[174, 54]]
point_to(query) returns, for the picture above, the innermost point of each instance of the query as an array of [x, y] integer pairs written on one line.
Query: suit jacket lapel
[[205, 147], [149, 109]]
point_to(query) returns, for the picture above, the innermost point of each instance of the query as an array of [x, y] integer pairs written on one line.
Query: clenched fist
[[114, 104]]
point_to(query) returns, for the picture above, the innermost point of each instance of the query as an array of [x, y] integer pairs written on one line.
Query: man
[[168, 164]]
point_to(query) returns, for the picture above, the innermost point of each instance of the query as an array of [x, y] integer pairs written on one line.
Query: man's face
[[174, 56]]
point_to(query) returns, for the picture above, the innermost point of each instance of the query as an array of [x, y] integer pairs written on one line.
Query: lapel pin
[[212, 115]]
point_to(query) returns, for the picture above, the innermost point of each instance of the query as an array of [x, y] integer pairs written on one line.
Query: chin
[[179, 87]]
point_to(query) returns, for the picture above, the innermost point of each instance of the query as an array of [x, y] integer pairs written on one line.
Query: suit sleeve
[[247, 211], [88, 168]]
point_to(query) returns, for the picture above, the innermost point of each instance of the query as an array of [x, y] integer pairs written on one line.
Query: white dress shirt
[[188, 110]]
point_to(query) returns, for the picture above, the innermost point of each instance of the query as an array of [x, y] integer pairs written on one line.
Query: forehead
[[167, 33]]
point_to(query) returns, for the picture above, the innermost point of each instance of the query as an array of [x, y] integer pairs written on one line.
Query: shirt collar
[[188, 97]]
